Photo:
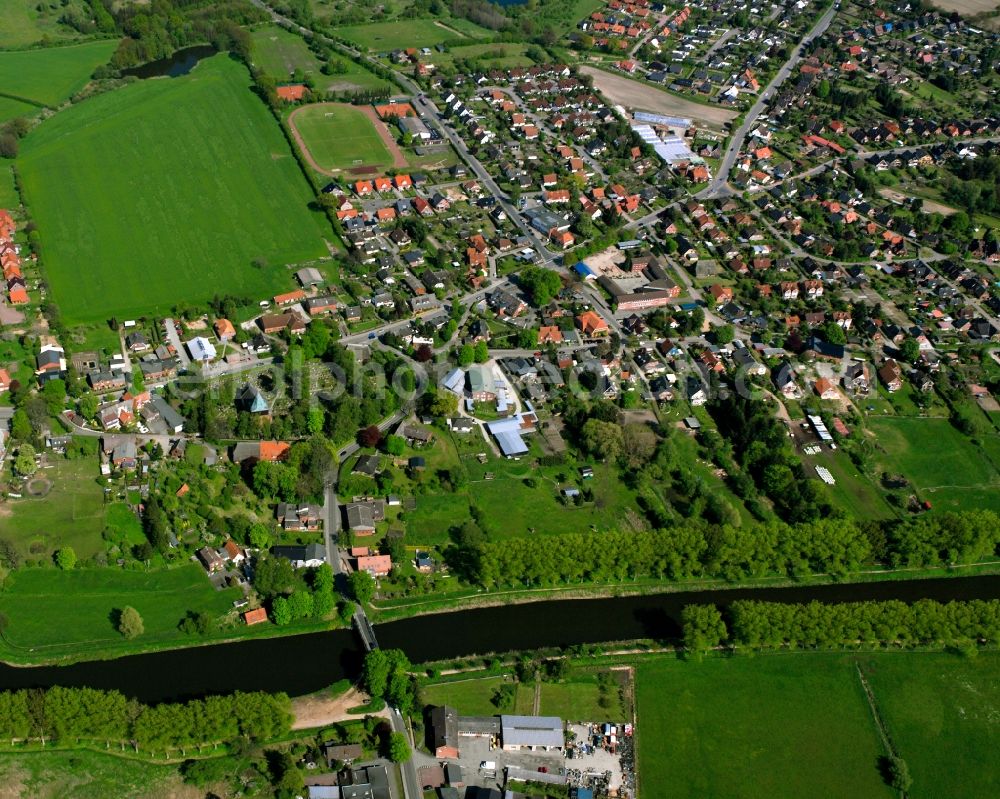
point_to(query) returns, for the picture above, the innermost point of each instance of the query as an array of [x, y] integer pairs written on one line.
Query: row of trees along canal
[[698, 549]]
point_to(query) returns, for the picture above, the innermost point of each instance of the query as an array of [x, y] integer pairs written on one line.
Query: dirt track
[[398, 159], [639, 96]]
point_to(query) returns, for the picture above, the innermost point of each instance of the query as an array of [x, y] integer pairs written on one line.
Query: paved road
[[411, 786], [719, 185], [175, 340]]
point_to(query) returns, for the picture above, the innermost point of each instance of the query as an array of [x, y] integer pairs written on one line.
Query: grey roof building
[[531, 732]]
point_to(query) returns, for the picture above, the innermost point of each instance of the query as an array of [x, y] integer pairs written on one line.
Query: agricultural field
[[339, 137], [50, 75], [10, 109], [8, 191], [68, 510], [776, 726], [171, 180], [382, 37], [37, 603], [941, 463], [25, 22], [943, 714]]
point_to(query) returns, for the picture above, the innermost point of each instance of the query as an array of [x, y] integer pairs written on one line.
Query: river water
[[305, 663]]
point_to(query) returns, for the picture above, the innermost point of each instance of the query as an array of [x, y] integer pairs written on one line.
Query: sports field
[[53, 612], [946, 467], [776, 726], [340, 136], [167, 191], [385, 36], [50, 75]]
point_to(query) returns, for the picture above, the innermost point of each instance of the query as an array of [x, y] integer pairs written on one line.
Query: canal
[[305, 663]]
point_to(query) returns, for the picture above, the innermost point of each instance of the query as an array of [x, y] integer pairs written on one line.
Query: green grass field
[[8, 192], [943, 464], [385, 36], [338, 136], [470, 697], [496, 56], [782, 726], [280, 52], [10, 108], [53, 613], [575, 699], [943, 714], [25, 22], [51, 75], [166, 191], [71, 514], [83, 774]]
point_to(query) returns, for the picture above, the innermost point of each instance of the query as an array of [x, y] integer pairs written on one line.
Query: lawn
[[167, 191], [853, 491], [781, 726], [945, 466], [71, 514], [575, 699], [340, 136], [943, 714], [54, 613], [495, 56], [280, 52], [8, 192], [385, 36], [50, 75], [469, 697]]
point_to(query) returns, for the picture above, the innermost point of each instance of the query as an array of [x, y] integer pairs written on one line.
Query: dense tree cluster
[[698, 549], [761, 445], [155, 30], [84, 714], [822, 626], [386, 674]]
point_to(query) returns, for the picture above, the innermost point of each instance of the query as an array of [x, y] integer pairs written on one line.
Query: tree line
[[816, 625], [696, 549], [77, 715]]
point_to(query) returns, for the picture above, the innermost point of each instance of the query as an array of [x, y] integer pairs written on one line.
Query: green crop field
[[776, 726], [70, 514], [943, 714], [944, 465], [469, 697], [340, 136], [167, 191], [52, 612], [385, 36], [49, 76]]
